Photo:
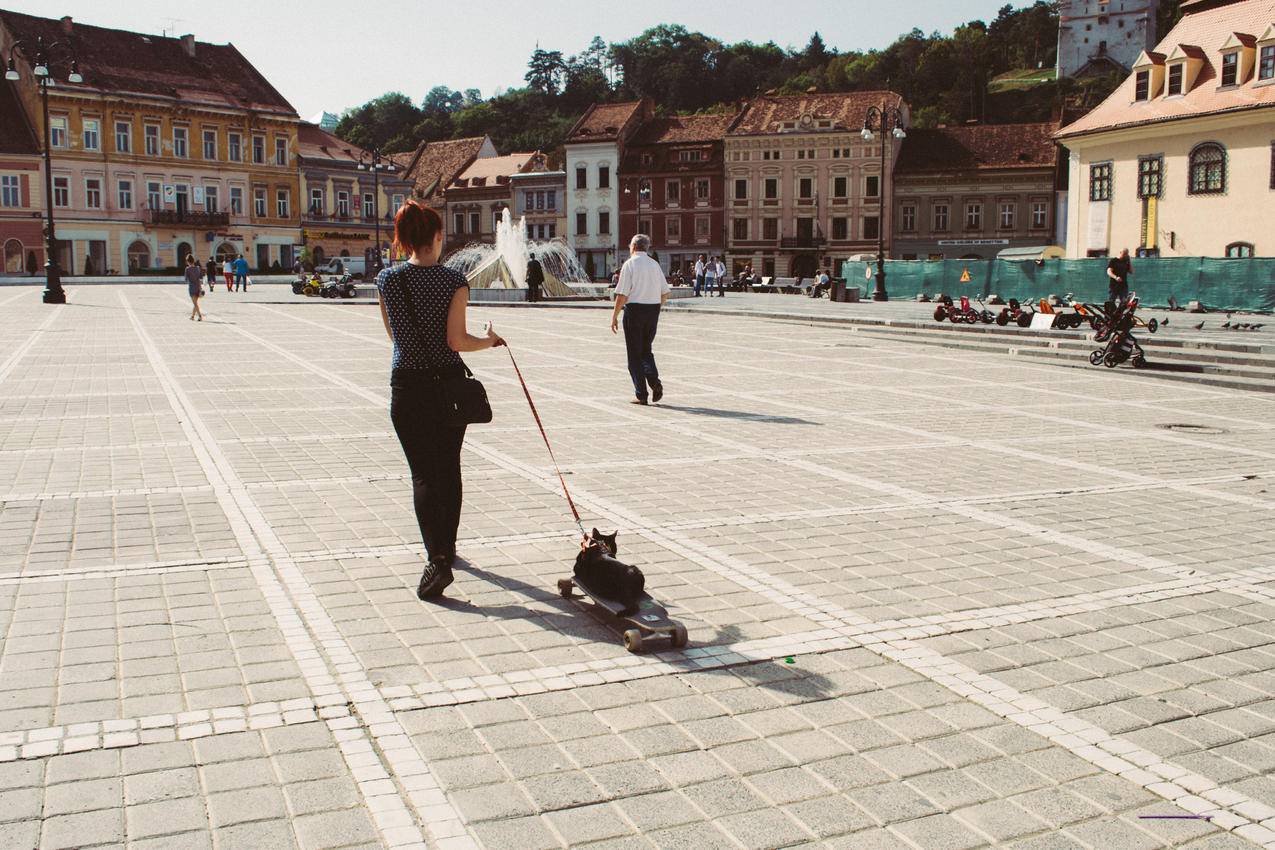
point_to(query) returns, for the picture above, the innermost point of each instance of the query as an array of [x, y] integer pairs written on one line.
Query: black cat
[[598, 569]]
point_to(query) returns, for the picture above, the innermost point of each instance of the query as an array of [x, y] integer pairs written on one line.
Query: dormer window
[[1142, 86], [1175, 78], [1231, 68], [1266, 65]]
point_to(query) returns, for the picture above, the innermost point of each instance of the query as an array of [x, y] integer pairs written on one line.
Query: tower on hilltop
[[1103, 36]]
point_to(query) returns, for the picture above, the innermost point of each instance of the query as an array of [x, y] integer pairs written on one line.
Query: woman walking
[[194, 285], [423, 306]]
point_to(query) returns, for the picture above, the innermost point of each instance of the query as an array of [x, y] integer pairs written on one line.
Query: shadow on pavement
[[737, 414]]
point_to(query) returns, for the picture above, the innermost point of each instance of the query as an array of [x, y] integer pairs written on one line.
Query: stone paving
[[932, 604]]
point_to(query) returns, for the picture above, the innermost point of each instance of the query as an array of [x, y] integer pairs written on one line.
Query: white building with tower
[[1098, 37], [594, 148]]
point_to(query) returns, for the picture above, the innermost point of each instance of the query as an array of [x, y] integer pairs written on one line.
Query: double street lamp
[[887, 121], [40, 55], [375, 162]]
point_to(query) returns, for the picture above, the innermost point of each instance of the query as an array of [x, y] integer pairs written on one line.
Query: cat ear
[[596, 533]]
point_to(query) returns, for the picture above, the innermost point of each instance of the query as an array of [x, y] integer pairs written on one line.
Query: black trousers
[[640, 323], [433, 455]]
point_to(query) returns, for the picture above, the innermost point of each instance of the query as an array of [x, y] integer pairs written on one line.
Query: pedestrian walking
[[535, 279], [228, 269], [641, 292], [240, 267], [194, 285], [423, 306], [700, 265], [212, 269], [1118, 271]]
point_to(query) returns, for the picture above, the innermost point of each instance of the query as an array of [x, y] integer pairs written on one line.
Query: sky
[[319, 53]]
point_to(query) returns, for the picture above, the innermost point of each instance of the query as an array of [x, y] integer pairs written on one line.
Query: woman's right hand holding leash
[[495, 339]]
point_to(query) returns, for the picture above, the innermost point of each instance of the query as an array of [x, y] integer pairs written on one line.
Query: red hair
[[415, 227]]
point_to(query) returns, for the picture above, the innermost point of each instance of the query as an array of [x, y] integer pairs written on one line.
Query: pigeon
[[1228, 315], [1200, 326], [1255, 327], [1226, 324], [1243, 326], [1165, 323]]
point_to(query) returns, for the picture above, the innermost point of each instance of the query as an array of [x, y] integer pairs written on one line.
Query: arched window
[[183, 249], [317, 255], [225, 251], [139, 256], [345, 252], [13, 257], [1239, 250], [1208, 169]]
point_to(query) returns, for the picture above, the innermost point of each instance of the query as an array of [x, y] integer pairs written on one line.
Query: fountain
[[504, 265]]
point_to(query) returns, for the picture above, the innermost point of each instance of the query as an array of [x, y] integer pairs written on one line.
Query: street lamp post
[[888, 121], [375, 162], [39, 54]]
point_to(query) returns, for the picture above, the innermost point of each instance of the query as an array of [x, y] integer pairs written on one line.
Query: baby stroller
[[1117, 331]]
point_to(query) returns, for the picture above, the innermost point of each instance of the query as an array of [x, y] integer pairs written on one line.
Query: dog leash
[[544, 436]]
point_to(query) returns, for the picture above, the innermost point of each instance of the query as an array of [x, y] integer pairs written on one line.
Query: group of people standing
[[710, 272], [234, 271]]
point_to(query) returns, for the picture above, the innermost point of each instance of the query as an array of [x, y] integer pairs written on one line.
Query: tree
[[386, 122], [442, 99], [815, 55], [545, 70]]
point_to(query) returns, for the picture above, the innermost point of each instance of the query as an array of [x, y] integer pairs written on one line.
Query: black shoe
[[657, 392], [434, 578], [638, 400]]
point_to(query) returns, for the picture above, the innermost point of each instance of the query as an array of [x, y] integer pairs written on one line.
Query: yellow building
[[1180, 159], [169, 146]]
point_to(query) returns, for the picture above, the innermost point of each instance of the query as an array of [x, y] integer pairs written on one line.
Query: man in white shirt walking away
[[641, 292]]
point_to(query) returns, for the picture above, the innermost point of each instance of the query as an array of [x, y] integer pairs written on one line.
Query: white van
[[355, 266]]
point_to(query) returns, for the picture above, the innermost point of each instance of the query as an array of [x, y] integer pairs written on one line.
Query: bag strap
[[544, 436]]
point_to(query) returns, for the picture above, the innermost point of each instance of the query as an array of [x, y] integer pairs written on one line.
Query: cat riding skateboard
[[610, 584], [650, 620]]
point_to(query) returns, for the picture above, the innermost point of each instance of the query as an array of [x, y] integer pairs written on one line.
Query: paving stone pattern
[[936, 600]]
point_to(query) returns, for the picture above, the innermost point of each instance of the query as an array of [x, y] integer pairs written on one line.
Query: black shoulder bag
[[462, 398]]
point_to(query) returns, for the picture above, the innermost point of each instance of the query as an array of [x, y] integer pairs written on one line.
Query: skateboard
[[651, 620]]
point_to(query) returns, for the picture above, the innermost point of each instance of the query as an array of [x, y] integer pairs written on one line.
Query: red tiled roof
[[675, 129], [16, 134], [978, 146], [603, 122], [1203, 23], [436, 164], [489, 168], [1247, 39], [767, 114], [124, 62], [316, 144]]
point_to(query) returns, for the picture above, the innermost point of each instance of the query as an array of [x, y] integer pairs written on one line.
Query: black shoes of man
[[657, 393]]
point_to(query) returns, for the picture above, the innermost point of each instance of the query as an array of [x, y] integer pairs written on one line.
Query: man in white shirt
[[719, 272], [641, 292]]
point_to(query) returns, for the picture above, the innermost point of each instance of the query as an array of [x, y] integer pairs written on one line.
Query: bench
[[765, 285]]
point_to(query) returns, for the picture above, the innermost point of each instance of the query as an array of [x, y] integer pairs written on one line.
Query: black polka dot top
[[420, 340]]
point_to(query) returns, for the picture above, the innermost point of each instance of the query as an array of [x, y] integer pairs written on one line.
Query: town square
[[846, 461]]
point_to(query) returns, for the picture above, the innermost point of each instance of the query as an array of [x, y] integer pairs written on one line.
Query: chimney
[[67, 25], [188, 44]]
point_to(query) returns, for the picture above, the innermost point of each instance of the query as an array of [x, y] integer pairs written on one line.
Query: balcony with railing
[[188, 218]]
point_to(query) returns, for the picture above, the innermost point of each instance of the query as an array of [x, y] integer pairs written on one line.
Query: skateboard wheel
[[679, 637], [633, 640], [564, 587]]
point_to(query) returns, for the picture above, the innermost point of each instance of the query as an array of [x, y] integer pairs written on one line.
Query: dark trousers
[[699, 284], [433, 455], [640, 322], [533, 292]]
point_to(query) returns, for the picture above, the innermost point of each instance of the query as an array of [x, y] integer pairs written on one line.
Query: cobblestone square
[[936, 599]]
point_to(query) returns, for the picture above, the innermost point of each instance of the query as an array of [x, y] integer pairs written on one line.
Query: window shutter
[[24, 182]]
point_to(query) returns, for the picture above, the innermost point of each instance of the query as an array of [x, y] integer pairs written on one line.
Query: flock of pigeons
[[1227, 326]]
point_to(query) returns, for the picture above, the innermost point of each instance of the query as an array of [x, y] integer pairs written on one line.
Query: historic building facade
[[803, 189], [476, 199], [672, 188], [970, 192], [1180, 159], [169, 146], [538, 194], [594, 148], [341, 208], [1103, 36], [21, 190]]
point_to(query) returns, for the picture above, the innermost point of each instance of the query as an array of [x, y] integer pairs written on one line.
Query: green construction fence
[[1239, 284]]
